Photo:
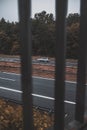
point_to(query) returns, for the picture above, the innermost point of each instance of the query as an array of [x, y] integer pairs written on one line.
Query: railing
[[26, 68]]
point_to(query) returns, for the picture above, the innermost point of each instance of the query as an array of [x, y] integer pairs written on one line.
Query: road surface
[[43, 92], [51, 62]]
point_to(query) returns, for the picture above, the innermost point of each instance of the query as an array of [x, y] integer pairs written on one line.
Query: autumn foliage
[[43, 35], [11, 117]]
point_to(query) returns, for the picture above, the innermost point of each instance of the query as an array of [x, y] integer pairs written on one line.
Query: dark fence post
[[61, 9], [81, 74], [26, 66]]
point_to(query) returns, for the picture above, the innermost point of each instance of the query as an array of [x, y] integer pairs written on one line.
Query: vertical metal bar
[[81, 74], [61, 9], [26, 67]]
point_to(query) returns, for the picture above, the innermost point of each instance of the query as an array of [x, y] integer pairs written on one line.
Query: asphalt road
[[43, 92], [51, 62]]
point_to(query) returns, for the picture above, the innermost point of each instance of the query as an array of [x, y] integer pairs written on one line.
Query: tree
[[73, 40], [5, 43], [43, 17], [43, 35], [43, 30], [73, 18]]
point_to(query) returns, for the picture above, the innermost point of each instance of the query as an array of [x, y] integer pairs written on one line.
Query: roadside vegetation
[[11, 117], [43, 36]]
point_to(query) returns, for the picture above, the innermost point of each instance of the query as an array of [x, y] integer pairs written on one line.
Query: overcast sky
[[9, 8]]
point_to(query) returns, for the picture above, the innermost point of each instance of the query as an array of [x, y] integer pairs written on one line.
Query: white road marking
[[37, 77], [10, 73], [36, 95], [71, 82], [40, 77], [9, 89], [32, 76], [7, 79], [71, 66], [69, 102], [50, 98], [41, 96]]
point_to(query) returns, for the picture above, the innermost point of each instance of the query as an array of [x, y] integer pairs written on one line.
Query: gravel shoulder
[[39, 70]]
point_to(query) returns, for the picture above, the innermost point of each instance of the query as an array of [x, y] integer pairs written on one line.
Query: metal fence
[[26, 67]]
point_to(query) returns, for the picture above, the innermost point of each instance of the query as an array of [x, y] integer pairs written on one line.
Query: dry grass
[[11, 117], [39, 70]]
